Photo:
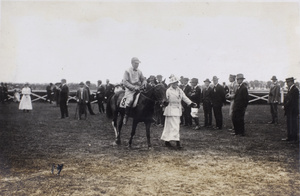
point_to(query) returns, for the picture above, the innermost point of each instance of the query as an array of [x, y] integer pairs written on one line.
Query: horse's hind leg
[[134, 125], [148, 124], [119, 128]]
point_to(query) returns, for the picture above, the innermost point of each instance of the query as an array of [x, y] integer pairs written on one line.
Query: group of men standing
[[84, 97], [290, 105], [213, 97]]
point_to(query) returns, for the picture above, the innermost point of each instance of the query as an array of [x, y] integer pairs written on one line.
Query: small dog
[[59, 167]]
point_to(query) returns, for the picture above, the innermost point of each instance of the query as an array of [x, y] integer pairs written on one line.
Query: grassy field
[[212, 162]]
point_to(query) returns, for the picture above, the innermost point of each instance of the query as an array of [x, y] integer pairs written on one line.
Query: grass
[[212, 162]]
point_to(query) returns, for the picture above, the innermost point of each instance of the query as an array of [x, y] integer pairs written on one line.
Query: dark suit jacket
[[218, 96], [241, 98], [64, 93], [85, 95], [187, 90], [195, 95], [89, 93], [291, 101], [100, 92], [206, 95], [109, 90]]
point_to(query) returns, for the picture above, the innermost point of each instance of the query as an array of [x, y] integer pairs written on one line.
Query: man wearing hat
[[291, 108], [195, 96], [218, 99], [187, 118], [160, 81], [100, 95], [109, 89], [207, 104], [63, 98], [82, 98], [239, 107], [89, 106], [274, 99], [134, 81], [230, 95]]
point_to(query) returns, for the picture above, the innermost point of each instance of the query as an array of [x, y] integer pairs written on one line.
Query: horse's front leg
[[134, 125], [148, 125]]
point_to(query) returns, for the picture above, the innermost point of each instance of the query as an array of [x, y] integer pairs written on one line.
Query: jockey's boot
[[127, 109]]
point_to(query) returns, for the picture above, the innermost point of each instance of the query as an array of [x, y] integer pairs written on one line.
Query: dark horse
[[143, 112]]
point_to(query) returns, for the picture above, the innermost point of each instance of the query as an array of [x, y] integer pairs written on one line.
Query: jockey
[[133, 81]]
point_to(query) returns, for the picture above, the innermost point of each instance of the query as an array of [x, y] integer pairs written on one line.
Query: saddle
[[134, 103]]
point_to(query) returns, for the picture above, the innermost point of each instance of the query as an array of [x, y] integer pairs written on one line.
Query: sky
[[45, 41]]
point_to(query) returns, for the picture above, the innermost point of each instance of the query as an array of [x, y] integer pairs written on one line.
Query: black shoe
[[168, 144], [178, 145]]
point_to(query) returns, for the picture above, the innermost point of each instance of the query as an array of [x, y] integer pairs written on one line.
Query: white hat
[[173, 79]]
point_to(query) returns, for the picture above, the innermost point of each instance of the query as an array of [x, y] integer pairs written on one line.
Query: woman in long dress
[[173, 111], [25, 103]]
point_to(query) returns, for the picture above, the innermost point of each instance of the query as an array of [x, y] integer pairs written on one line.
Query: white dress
[[172, 114], [25, 103]]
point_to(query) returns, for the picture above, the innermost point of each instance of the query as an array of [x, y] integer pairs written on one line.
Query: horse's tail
[[109, 110]]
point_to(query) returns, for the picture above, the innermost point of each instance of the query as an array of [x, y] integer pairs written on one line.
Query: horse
[[143, 112]]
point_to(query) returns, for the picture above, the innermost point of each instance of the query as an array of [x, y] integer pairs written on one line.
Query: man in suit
[[240, 104], [63, 99], [195, 96], [291, 108], [82, 98], [230, 95], [109, 89], [186, 88], [218, 99], [49, 93], [87, 86], [207, 104], [100, 96], [274, 100]]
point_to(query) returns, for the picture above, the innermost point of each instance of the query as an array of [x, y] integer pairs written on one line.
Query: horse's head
[[159, 92]]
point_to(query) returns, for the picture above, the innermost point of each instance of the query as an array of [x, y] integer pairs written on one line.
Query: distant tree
[[281, 83], [268, 84]]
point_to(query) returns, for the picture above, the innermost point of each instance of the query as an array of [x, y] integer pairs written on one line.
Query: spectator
[[240, 104], [89, 106], [274, 100], [25, 103], [291, 108], [218, 99], [82, 98], [207, 104]]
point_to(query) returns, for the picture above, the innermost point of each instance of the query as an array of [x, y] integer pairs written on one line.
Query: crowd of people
[[183, 101]]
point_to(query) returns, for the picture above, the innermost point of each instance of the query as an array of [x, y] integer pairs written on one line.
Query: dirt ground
[[212, 162]]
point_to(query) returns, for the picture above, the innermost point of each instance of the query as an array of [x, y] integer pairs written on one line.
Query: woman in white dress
[[173, 111], [25, 103]]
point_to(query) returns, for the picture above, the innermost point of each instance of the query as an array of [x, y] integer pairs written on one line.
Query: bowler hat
[[195, 80], [273, 78], [232, 76], [240, 76], [207, 80], [81, 83], [291, 79]]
